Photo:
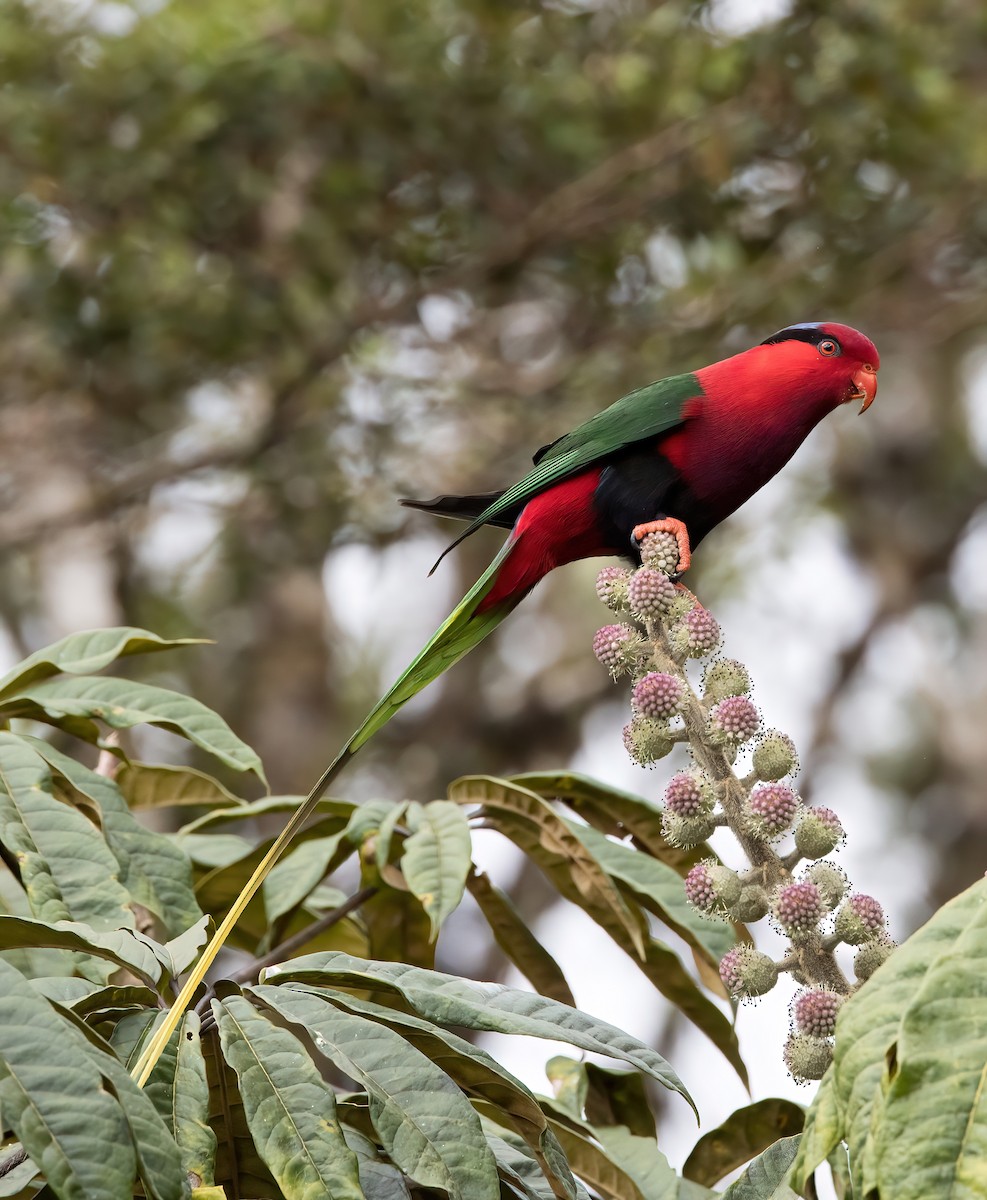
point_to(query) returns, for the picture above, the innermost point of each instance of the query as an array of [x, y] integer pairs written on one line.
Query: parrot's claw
[[667, 525]]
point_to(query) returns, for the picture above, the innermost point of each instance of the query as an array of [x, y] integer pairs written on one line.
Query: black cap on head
[[809, 331]]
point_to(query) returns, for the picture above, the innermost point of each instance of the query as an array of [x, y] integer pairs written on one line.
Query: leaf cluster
[[344, 1072], [350, 1071]]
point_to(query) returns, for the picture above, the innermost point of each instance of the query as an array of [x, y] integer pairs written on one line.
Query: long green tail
[[463, 629]]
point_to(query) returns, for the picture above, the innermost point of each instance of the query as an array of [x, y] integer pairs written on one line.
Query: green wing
[[636, 417]]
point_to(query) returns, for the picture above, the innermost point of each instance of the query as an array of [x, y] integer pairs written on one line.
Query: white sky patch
[[218, 415], [974, 395], [734, 18], [9, 653], [968, 571], [443, 315], [78, 584], [185, 520], [666, 260]]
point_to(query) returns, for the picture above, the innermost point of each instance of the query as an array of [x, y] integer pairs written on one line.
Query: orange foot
[[668, 525]]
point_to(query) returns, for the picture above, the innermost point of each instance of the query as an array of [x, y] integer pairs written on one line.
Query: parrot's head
[[833, 361]]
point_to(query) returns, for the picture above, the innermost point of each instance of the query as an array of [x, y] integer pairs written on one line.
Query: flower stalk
[[662, 628]]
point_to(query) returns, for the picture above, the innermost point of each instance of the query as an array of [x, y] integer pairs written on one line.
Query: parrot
[[677, 456]]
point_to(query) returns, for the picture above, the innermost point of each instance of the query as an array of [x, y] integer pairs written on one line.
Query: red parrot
[[678, 455]]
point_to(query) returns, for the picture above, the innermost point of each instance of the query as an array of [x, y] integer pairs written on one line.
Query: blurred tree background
[[265, 267]]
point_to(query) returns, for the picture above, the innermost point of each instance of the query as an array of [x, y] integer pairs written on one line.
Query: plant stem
[[251, 972], [811, 958]]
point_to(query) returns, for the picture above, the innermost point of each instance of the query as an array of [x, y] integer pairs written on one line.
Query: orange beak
[[865, 381]]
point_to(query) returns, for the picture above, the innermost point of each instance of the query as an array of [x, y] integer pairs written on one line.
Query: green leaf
[[396, 924], [184, 949], [179, 1092], [569, 1084], [83, 653], [289, 1108], [113, 1001], [158, 1162], [154, 785], [31, 961], [905, 1088], [476, 1073], [612, 811], [516, 940], [379, 1180], [120, 946], [518, 1168], [660, 889], [765, 1178], [347, 935], [70, 990], [549, 833], [265, 806], [239, 1167], [618, 1098], [121, 704], [547, 840], [14, 1181], [130, 1035], [213, 850], [66, 868], [385, 834], [744, 1134], [298, 874], [601, 1171], [641, 1159], [424, 1121], [218, 888], [495, 1008], [366, 819], [932, 1140], [436, 860], [154, 870], [52, 1096]]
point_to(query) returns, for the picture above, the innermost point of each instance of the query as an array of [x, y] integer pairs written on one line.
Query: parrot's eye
[[829, 347]]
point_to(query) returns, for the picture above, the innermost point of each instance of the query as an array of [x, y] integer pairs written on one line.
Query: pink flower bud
[[712, 888], [747, 972], [618, 647], [798, 908], [611, 587], [815, 1012], [860, 919], [771, 808], [688, 794], [734, 720], [650, 594], [818, 832], [660, 552], [701, 630], [658, 695]]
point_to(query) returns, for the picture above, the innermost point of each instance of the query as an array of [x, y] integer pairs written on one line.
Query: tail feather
[[466, 626], [464, 508]]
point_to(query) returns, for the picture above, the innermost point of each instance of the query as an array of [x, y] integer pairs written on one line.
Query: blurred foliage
[[265, 267]]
